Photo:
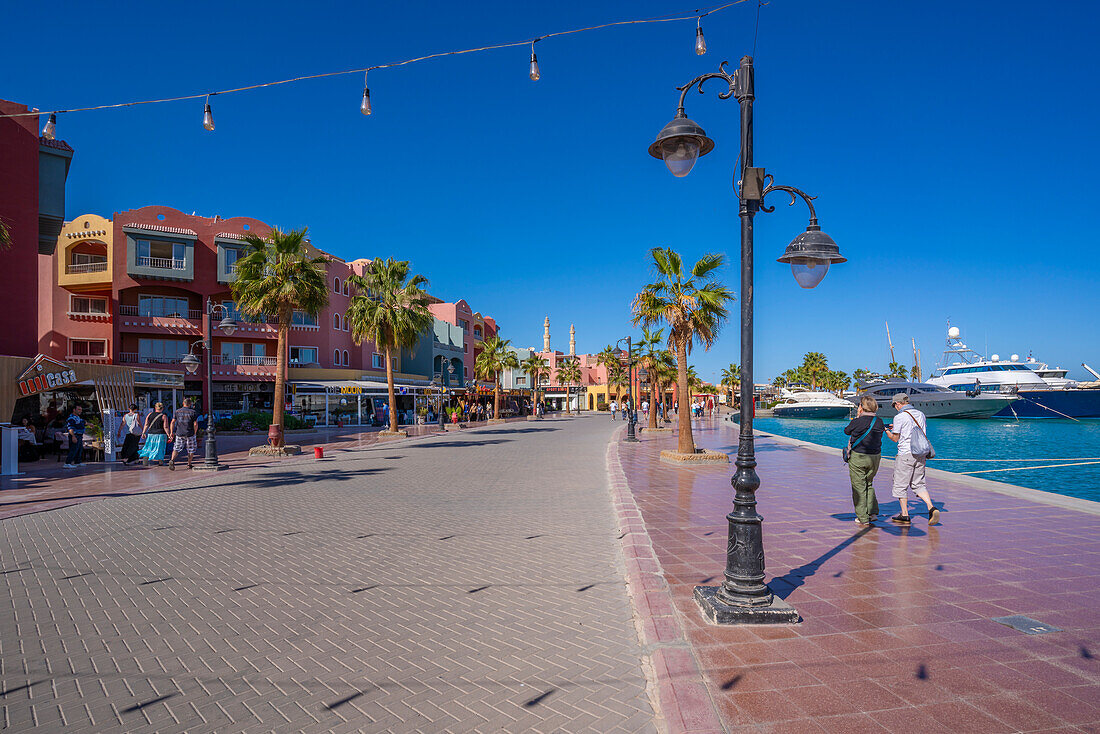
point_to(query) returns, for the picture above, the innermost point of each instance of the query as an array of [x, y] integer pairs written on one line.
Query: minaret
[[572, 341], [546, 335]]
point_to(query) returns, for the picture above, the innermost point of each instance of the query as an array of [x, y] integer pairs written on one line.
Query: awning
[[356, 387]]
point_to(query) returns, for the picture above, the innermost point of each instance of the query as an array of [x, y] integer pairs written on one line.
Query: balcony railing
[[161, 263], [161, 313], [229, 359], [88, 358], [81, 268], [135, 358]]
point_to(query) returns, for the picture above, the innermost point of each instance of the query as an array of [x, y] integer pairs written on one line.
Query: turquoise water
[[978, 445]]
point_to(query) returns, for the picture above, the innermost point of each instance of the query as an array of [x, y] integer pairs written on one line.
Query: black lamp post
[[191, 364], [631, 421], [443, 388], [743, 596]]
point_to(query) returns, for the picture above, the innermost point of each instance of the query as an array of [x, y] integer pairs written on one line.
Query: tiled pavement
[[896, 634], [465, 582]]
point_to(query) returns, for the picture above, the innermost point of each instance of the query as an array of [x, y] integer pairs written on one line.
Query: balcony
[[240, 366], [85, 268], [159, 321], [88, 358], [246, 361], [135, 358], [162, 263]]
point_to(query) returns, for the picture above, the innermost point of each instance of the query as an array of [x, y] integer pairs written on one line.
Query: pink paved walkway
[[896, 632]]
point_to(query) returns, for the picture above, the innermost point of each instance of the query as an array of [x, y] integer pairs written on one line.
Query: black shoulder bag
[[846, 452]]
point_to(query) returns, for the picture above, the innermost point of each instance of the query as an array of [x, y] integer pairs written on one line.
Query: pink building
[[475, 329]]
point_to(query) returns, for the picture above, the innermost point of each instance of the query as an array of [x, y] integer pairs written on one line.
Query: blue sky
[[952, 146]]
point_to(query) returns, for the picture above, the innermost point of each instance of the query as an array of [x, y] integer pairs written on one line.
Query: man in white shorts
[[909, 469]]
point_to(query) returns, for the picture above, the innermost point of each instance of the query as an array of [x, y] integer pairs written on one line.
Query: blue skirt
[[155, 443]]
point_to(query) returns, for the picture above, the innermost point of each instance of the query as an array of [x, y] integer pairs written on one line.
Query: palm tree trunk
[[278, 402], [652, 400], [496, 397], [686, 444], [390, 389]]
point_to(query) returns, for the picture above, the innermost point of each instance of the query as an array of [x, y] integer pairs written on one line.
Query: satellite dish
[[995, 357], [1015, 358], [953, 332]]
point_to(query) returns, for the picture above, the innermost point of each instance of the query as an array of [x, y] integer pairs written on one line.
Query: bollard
[[318, 452]]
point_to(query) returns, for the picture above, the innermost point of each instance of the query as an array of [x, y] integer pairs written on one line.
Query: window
[[376, 361], [335, 357], [162, 306], [347, 359], [336, 286], [477, 332], [465, 371], [80, 304], [345, 288], [242, 352], [161, 351], [465, 347], [231, 257], [336, 321], [86, 258], [464, 324], [521, 380], [157, 254], [345, 318], [303, 355], [301, 318], [88, 347]]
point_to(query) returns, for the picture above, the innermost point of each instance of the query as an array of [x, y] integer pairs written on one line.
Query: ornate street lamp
[[743, 596], [191, 363]]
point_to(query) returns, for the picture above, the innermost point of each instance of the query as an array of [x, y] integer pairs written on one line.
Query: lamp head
[[190, 362], [228, 325], [810, 254], [680, 144]]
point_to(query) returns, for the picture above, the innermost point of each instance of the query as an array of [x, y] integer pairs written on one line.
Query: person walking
[[865, 447], [614, 407], [909, 469], [74, 424], [184, 429], [129, 431], [156, 435]]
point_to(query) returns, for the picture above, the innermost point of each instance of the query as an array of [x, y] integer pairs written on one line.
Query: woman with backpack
[[863, 454]]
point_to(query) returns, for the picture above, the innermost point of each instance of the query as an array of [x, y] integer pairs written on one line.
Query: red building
[[475, 329], [32, 206]]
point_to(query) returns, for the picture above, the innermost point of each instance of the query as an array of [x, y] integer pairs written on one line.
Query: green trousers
[[862, 469]]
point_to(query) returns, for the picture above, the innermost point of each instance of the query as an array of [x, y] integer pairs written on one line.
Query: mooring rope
[[1025, 468]]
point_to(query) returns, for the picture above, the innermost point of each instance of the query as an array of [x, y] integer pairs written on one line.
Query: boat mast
[[890, 342], [916, 357]]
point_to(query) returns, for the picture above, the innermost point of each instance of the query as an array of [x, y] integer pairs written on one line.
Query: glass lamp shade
[[228, 325], [700, 42], [49, 132], [808, 272], [810, 254], [680, 144], [208, 118], [190, 363], [364, 106], [534, 72]]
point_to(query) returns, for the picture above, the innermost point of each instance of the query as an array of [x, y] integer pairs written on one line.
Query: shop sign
[[109, 429], [344, 390], [44, 374], [239, 386]]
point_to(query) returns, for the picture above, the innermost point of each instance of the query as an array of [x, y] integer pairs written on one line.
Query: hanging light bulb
[[49, 132], [364, 106], [208, 116], [700, 42], [534, 74]]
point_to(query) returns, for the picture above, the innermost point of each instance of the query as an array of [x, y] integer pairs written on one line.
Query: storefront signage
[[44, 374], [345, 389], [240, 386]]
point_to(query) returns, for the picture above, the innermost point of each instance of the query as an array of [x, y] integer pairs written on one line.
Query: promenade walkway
[[897, 632], [462, 582]]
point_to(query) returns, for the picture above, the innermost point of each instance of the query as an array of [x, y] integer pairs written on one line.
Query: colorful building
[[475, 329]]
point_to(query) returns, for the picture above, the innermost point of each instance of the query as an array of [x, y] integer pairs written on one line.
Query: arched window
[[345, 323], [347, 359], [335, 357], [336, 321], [345, 288], [336, 285]]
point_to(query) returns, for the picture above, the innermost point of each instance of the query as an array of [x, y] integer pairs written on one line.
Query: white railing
[[244, 360], [135, 358], [161, 263], [79, 268], [88, 358], [161, 313]]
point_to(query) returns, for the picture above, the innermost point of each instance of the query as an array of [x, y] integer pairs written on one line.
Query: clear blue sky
[[953, 148]]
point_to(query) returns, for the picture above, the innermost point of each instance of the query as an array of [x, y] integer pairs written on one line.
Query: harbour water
[[969, 446]]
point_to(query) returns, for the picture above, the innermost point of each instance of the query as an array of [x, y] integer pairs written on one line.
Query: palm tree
[[816, 366], [694, 306], [568, 373], [494, 358], [649, 353], [914, 374], [840, 381], [279, 275], [897, 369], [534, 367], [389, 308], [5, 236], [862, 375], [731, 378], [611, 359]]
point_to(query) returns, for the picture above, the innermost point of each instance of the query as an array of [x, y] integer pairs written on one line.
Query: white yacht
[[933, 400], [799, 403]]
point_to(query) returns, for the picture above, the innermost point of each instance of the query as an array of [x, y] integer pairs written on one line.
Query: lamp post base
[[718, 612], [208, 467]]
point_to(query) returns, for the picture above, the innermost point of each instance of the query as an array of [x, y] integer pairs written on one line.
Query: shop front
[[231, 398], [355, 402]]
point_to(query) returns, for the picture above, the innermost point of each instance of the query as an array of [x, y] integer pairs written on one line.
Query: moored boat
[[934, 401], [811, 404]]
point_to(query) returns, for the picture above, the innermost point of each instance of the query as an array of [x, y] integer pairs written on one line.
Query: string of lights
[[49, 131]]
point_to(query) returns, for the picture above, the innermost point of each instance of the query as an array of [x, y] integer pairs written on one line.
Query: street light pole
[[191, 363], [743, 596]]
